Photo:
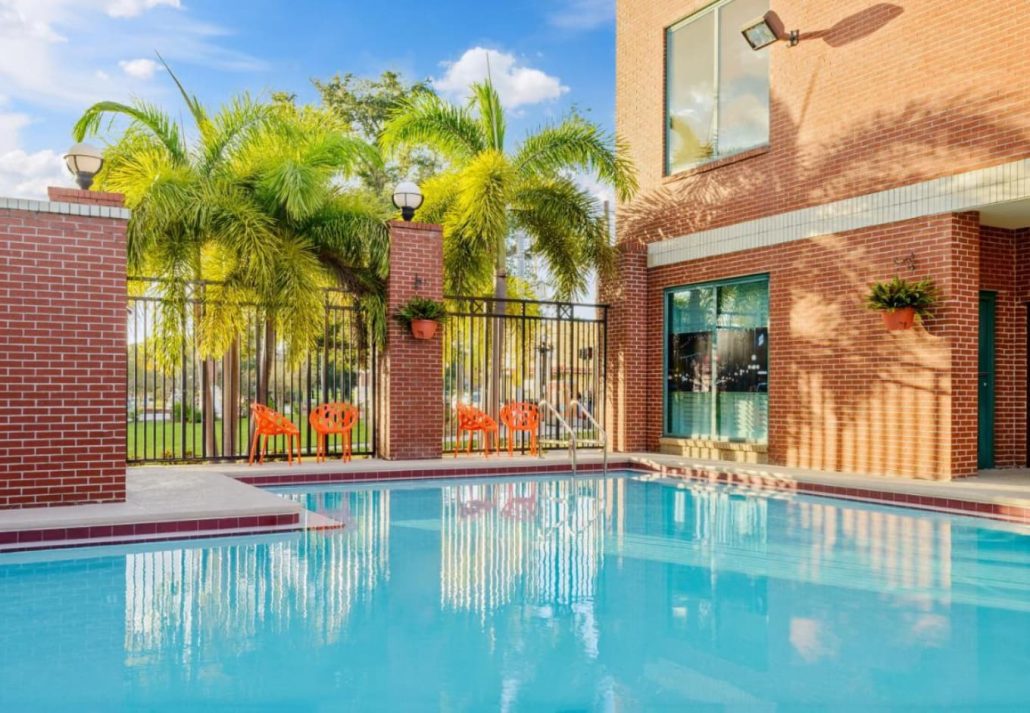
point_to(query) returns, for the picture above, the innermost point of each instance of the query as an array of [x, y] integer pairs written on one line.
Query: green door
[[985, 440]]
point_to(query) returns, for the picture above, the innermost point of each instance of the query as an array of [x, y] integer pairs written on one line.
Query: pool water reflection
[[548, 594]]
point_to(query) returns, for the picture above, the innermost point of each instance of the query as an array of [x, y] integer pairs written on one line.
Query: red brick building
[[776, 185]]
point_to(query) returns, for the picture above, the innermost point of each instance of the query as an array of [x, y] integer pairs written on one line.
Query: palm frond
[[428, 121], [487, 103], [578, 145], [567, 230], [143, 115]]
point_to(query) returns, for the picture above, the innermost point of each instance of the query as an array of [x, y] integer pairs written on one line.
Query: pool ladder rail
[[573, 440]]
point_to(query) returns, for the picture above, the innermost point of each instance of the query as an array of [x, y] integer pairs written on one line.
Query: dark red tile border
[[131, 532], [54, 538]]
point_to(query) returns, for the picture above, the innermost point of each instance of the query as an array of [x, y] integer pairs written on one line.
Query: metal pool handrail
[[566, 426], [600, 431]]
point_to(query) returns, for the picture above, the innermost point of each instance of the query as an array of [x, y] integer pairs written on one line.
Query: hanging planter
[[897, 320], [424, 328], [901, 302], [423, 316]]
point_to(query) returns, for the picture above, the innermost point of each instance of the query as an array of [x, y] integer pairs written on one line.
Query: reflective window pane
[[691, 92], [717, 87], [743, 81], [718, 362], [689, 371]]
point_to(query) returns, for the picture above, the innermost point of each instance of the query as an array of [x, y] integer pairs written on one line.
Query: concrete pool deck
[[217, 499]]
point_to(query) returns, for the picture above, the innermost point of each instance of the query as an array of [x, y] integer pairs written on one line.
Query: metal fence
[[183, 407], [499, 351]]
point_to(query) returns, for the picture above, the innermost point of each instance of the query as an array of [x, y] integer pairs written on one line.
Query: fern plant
[[421, 308], [920, 295]]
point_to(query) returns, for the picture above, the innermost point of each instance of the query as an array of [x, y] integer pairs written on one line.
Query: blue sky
[[59, 56]]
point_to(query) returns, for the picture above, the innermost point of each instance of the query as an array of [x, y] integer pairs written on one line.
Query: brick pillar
[[411, 382], [62, 349], [960, 325], [626, 295]]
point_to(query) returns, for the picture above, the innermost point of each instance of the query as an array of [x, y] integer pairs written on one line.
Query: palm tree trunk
[[267, 361], [497, 340], [207, 397], [231, 398]]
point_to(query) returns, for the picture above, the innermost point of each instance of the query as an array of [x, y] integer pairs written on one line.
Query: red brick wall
[[411, 385], [628, 324], [844, 393], [876, 95], [62, 358], [999, 261]]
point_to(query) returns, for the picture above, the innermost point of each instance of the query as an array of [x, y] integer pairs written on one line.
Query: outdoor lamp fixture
[[763, 31], [407, 197], [84, 161]]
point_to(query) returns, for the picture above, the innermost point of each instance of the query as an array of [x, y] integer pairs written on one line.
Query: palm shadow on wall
[[891, 385]]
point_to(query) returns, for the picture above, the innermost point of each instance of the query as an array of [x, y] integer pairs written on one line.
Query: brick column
[[62, 349], [626, 295], [411, 380], [960, 326]]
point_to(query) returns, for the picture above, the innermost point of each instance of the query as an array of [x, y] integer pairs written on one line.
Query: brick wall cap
[[426, 227]]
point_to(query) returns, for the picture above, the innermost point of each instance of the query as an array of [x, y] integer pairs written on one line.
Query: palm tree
[[256, 205], [486, 192]]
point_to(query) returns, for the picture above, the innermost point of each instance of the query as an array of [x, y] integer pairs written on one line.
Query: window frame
[[713, 7], [666, 325]]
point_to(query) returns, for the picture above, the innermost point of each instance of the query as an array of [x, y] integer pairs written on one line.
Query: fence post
[[411, 378]]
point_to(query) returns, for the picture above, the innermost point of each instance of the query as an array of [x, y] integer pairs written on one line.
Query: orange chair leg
[[264, 448], [253, 446]]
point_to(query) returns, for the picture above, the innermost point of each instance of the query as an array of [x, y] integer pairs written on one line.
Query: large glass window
[[717, 361], [717, 87]]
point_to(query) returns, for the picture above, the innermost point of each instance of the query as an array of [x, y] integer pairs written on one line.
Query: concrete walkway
[[159, 504], [176, 502]]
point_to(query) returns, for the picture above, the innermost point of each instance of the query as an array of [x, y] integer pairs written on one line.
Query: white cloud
[[25, 175], [132, 8], [583, 14], [517, 84], [139, 68], [55, 50]]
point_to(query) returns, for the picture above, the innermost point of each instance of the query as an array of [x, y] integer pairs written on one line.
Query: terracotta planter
[[424, 328], [899, 319]]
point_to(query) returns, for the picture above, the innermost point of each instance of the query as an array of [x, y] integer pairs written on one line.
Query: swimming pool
[[612, 594]]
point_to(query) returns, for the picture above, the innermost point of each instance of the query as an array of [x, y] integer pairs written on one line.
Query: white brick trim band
[[80, 209], [962, 192]]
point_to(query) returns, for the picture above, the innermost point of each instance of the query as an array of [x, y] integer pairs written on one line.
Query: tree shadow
[[856, 397]]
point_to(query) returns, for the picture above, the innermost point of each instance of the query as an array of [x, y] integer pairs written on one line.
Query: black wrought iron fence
[[183, 407], [502, 351]]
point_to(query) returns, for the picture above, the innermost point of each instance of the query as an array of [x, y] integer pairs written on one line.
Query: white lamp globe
[[84, 162], [408, 198]]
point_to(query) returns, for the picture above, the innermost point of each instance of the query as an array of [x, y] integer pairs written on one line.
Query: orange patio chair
[[521, 416], [471, 419], [268, 424], [334, 418]]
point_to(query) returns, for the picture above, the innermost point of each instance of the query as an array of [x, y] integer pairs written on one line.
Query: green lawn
[[164, 439]]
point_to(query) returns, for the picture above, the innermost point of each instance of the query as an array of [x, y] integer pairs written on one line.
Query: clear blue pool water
[[609, 594]]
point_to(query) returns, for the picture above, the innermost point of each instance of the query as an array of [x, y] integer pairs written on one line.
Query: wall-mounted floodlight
[[765, 30]]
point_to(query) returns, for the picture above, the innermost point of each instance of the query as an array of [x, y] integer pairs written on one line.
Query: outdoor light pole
[[84, 162], [408, 198]]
